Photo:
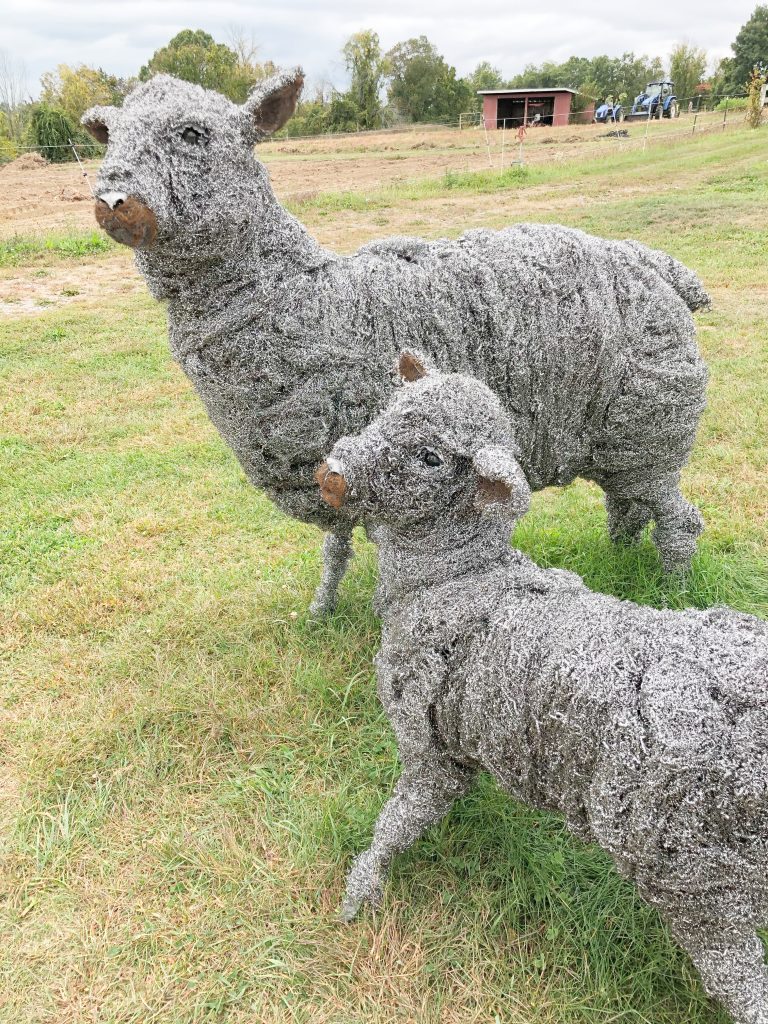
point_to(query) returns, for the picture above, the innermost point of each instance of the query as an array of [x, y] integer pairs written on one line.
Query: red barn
[[513, 107]]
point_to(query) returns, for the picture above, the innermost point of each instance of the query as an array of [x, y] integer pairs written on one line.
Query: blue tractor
[[657, 101], [608, 111]]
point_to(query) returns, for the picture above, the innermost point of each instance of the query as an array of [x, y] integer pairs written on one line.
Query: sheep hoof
[[349, 911], [321, 608]]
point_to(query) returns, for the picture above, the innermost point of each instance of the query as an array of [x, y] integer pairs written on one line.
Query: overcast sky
[[120, 35]]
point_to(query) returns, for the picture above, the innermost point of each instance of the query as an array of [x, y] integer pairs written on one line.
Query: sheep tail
[[687, 284]]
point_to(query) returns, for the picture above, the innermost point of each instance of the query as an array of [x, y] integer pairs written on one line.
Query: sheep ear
[[412, 366], [96, 121], [501, 483], [273, 102]]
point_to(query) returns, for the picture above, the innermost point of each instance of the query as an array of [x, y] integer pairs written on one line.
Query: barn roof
[[523, 92]]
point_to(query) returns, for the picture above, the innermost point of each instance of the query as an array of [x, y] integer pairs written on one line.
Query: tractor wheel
[[659, 111], [620, 116], [674, 110]]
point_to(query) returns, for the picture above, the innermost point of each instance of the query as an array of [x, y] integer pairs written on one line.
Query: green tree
[[422, 87], [720, 78], [312, 117], [364, 62], [7, 147], [590, 94], [195, 56], [14, 98], [750, 49], [75, 89], [247, 71], [485, 76], [628, 74], [343, 114], [687, 65]]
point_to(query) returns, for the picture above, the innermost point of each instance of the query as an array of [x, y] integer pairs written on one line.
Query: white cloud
[[120, 35]]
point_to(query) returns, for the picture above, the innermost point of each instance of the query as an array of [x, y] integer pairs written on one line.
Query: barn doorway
[[510, 112], [541, 109]]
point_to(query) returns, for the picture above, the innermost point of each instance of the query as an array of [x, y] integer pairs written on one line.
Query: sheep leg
[[423, 796], [337, 551], [626, 519], [677, 526], [731, 964]]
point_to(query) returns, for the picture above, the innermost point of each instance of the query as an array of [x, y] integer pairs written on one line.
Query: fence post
[[503, 141], [647, 126], [695, 119], [725, 112], [487, 140]]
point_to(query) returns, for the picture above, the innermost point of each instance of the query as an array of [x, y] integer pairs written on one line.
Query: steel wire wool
[[647, 730], [590, 344]]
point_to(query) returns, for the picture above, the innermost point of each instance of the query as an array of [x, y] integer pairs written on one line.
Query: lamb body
[[646, 729], [590, 343]]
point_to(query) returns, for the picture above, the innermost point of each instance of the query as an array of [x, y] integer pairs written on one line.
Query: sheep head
[[443, 447], [180, 162]]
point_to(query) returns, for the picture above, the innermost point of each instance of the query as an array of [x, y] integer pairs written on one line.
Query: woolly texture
[[646, 729], [589, 343]]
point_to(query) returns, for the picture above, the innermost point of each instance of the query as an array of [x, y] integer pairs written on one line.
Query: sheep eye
[[193, 137], [431, 458]]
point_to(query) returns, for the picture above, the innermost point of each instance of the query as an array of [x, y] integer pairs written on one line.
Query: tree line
[[411, 82]]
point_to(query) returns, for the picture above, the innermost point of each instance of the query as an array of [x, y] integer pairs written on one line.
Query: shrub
[[733, 103], [754, 98], [50, 131]]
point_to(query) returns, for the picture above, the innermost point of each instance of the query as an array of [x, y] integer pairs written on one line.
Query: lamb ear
[[501, 483], [412, 365], [96, 121], [273, 102]]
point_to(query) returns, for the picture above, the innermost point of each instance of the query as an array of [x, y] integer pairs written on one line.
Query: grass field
[[189, 762]]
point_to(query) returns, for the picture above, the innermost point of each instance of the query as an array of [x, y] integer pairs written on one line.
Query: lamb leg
[[731, 964], [424, 794], [337, 551]]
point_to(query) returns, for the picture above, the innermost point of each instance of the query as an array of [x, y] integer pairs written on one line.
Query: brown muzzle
[[333, 486], [127, 220]]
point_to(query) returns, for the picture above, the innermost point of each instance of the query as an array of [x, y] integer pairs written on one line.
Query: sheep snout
[[126, 219]]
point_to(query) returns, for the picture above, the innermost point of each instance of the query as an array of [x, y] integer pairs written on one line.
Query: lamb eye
[[431, 458], [193, 137]]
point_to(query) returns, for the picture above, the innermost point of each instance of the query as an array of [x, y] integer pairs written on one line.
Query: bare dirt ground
[[25, 291]]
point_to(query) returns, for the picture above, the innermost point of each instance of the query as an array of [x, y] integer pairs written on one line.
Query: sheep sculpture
[[589, 343], [646, 729]]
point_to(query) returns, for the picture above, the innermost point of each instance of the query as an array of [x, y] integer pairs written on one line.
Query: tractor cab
[[658, 100]]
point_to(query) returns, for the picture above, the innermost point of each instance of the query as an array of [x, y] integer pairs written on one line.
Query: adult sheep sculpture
[[589, 343], [646, 729]]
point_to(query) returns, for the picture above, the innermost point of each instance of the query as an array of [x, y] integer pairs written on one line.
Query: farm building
[[513, 107]]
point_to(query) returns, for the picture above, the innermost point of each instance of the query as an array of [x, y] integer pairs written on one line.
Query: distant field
[[189, 762], [57, 197]]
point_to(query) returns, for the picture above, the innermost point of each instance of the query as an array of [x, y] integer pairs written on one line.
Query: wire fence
[[512, 143], [689, 106]]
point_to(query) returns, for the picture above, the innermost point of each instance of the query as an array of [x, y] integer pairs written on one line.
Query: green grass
[[190, 762], [21, 250]]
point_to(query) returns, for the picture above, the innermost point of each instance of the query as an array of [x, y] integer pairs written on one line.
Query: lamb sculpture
[[589, 343], [646, 729]]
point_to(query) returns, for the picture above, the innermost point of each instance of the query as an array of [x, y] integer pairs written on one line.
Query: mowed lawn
[[189, 763]]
